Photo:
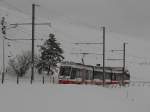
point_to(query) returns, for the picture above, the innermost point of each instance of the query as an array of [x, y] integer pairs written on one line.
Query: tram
[[77, 73]]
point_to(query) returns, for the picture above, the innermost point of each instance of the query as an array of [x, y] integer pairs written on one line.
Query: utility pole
[[3, 73], [103, 55], [103, 43], [124, 54], [33, 31], [124, 57], [3, 23]]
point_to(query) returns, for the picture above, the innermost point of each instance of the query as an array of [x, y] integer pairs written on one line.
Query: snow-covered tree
[[51, 54], [21, 63]]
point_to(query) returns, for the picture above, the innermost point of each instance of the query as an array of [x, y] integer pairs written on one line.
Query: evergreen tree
[[51, 54]]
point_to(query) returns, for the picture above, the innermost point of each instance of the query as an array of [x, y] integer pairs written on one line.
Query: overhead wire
[[38, 35]]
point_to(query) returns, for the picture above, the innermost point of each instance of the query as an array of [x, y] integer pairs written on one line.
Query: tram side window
[[113, 76], [118, 77], [101, 76], [107, 75], [96, 75], [88, 75], [78, 73], [73, 73]]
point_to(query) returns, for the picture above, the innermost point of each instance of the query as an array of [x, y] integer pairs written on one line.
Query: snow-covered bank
[[72, 98]]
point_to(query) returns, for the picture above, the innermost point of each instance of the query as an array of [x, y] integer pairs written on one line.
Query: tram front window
[[65, 71]]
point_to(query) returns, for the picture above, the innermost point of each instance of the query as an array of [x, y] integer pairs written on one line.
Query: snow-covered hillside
[[37, 97], [68, 32]]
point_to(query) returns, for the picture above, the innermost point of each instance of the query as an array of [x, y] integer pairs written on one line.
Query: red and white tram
[[77, 73]]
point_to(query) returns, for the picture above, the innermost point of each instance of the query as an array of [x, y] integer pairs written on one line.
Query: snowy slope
[[68, 32], [74, 98]]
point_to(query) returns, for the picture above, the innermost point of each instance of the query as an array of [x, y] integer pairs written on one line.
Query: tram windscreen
[[65, 71], [75, 73], [72, 72]]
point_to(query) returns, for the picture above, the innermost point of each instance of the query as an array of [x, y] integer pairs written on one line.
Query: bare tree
[[21, 63]]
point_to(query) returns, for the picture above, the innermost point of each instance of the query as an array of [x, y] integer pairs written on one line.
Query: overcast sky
[[128, 17]]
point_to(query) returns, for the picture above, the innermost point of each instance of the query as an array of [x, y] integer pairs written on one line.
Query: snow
[[74, 98]]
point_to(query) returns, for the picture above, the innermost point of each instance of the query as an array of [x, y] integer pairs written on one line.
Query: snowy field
[[73, 98]]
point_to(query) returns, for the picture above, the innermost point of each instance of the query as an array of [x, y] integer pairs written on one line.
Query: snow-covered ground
[[72, 98]]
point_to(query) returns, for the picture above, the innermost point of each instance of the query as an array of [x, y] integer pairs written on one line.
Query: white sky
[[129, 17]]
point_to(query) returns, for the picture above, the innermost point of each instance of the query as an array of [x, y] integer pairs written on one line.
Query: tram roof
[[90, 67]]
